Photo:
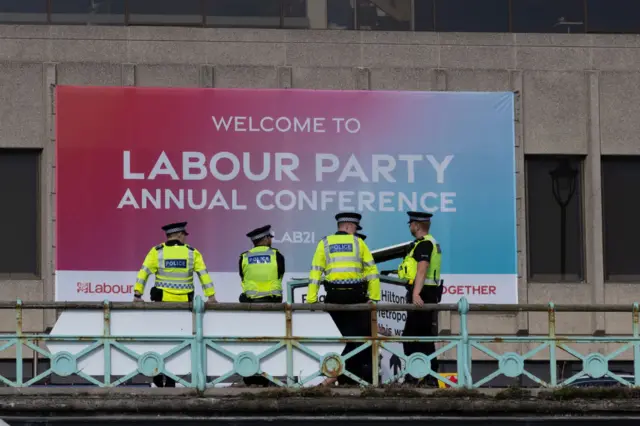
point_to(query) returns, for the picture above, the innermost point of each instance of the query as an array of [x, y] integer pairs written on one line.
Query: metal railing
[[246, 363]]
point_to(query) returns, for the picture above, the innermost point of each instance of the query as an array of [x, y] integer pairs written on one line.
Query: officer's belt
[[255, 294], [344, 285], [433, 283], [164, 284]]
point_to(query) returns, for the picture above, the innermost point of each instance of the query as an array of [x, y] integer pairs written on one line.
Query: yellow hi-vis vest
[[260, 271], [173, 266], [345, 261], [409, 266]]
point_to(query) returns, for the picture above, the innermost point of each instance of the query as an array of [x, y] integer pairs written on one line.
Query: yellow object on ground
[[452, 377]]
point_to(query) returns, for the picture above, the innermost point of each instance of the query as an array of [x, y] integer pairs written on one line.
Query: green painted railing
[[247, 364]]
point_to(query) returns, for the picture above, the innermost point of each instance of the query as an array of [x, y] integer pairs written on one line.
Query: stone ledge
[[247, 402]]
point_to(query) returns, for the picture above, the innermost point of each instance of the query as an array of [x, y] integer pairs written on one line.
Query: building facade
[[577, 118]]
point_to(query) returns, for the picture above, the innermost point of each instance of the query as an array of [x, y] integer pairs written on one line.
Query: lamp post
[[563, 185]]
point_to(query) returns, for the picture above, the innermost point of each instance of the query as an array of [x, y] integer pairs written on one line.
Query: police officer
[[350, 277], [261, 270], [173, 263], [421, 269]]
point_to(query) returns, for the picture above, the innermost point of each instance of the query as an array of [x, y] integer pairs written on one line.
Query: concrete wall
[[578, 96]]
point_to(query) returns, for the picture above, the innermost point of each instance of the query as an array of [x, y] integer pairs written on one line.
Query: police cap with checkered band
[[259, 233], [350, 217], [174, 228], [419, 217]]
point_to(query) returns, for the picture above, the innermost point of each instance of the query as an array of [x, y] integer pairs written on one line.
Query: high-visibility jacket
[[260, 273], [345, 261], [409, 266], [173, 265]]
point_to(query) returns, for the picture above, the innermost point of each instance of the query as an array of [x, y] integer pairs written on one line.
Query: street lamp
[[563, 184], [569, 24]]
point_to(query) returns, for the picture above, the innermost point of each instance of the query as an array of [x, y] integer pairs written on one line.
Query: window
[[257, 13], [19, 212], [423, 11], [613, 16], [554, 218], [547, 16], [340, 14], [88, 12], [472, 15], [23, 11], [384, 15], [294, 8], [621, 210], [165, 12]]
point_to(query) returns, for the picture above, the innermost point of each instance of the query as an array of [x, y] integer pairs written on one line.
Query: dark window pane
[[165, 12], [295, 8], [294, 14], [384, 15], [340, 14], [621, 210], [23, 11], [257, 13], [613, 16], [547, 16], [472, 15], [243, 7], [423, 11], [88, 11], [20, 211], [555, 239]]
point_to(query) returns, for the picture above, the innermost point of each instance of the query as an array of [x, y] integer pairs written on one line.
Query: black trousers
[[353, 323], [161, 380], [259, 380], [421, 324]]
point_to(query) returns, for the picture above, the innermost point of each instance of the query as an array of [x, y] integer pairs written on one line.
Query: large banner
[[130, 160]]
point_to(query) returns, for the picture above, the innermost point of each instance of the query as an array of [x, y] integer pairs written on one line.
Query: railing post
[[464, 349], [375, 348], [18, 344], [553, 364], [289, 293], [106, 341], [636, 345], [199, 349], [288, 313]]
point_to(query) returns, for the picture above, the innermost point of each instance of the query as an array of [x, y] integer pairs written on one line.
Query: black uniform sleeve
[[280, 262], [240, 267], [423, 251]]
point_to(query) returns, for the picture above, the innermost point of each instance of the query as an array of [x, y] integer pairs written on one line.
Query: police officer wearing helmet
[[350, 277], [421, 268], [173, 263], [261, 270]]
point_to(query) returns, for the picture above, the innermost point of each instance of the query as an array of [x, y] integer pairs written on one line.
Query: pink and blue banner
[[130, 160]]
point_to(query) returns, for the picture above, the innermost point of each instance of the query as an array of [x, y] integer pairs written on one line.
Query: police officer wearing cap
[[261, 270], [350, 277], [421, 268], [173, 263]]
